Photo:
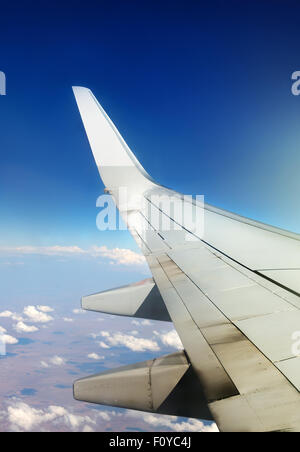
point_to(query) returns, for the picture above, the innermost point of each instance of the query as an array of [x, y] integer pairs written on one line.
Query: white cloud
[[171, 422], [79, 311], [57, 361], [45, 308], [104, 415], [43, 250], [12, 315], [87, 429], [95, 356], [53, 361], [104, 334], [34, 315], [103, 344], [7, 339], [44, 364], [23, 417], [130, 341], [141, 322], [67, 319], [21, 327], [6, 314], [95, 335], [119, 256], [170, 339]]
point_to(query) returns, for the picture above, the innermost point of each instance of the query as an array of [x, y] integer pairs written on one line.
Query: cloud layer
[[22, 417], [117, 256]]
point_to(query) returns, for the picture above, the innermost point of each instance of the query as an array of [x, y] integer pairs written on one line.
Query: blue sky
[[201, 92]]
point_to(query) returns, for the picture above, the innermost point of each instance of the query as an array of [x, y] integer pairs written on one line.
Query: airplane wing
[[230, 285]]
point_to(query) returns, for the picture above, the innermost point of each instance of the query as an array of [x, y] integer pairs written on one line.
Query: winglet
[[109, 148]]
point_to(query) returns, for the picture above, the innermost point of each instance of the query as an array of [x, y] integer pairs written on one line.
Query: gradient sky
[[201, 92]]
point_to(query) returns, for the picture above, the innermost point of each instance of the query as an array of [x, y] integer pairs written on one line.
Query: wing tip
[[77, 89]]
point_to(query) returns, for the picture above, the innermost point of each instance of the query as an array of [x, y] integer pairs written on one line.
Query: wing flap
[[289, 278], [215, 380]]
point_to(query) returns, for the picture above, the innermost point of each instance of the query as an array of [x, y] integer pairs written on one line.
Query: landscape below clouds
[[51, 342]]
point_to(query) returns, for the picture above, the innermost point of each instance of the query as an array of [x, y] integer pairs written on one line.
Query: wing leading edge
[[232, 292]]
